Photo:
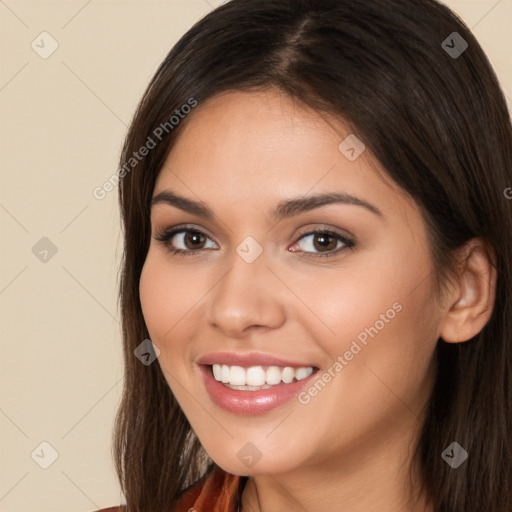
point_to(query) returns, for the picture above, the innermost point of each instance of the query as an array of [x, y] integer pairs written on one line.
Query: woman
[[316, 284]]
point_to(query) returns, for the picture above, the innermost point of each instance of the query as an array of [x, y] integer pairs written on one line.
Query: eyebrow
[[284, 209]]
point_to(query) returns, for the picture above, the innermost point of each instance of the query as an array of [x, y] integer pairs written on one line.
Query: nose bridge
[[244, 295]]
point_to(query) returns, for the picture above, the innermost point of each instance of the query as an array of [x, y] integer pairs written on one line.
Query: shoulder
[[215, 491]]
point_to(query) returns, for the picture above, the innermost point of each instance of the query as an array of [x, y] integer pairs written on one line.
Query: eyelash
[[166, 235]]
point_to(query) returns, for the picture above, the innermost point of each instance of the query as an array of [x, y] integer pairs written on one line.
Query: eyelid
[[348, 242], [324, 228], [165, 234], [181, 227]]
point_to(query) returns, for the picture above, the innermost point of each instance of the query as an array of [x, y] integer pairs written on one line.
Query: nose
[[247, 297]]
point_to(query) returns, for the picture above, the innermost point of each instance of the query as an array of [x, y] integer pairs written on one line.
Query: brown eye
[[183, 241], [193, 239], [323, 243]]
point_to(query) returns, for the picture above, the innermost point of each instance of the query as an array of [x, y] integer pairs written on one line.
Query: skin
[[240, 154]]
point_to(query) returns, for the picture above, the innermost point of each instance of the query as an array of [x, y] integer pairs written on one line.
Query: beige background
[[63, 120]]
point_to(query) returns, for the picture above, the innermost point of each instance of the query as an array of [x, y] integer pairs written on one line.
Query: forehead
[[249, 147]]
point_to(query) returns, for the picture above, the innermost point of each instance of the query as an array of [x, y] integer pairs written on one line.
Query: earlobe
[[472, 300]]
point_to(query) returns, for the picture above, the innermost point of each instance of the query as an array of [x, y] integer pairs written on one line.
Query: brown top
[[216, 491]]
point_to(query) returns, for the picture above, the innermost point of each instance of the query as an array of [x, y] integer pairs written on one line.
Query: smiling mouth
[[252, 390], [255, 378]]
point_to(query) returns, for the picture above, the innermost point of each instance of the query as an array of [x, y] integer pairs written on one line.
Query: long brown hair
[[433, 114]]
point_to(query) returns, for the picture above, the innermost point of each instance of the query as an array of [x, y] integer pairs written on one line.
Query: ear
[[471, 300]]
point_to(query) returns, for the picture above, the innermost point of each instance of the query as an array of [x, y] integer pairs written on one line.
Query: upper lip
[[248, 359]]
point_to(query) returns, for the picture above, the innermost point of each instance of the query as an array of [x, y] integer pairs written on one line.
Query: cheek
[[166, 297], [383, 369], [381, 317], [349, 298], [154, 297], [165, 301], [167, 294]]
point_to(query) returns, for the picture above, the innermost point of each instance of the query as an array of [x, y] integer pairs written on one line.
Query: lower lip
[[247, 403]]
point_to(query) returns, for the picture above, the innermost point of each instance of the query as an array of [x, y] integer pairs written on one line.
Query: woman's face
[[256, 291]]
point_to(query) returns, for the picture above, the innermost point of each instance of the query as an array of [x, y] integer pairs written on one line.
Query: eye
[[325, 241], [183, 240], [189, 241]]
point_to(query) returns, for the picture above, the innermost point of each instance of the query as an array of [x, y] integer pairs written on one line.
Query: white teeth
[[237, 376], [256, 377], [302, 373], [273, 375], [217, 372], [225, 373], [288, 375]]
